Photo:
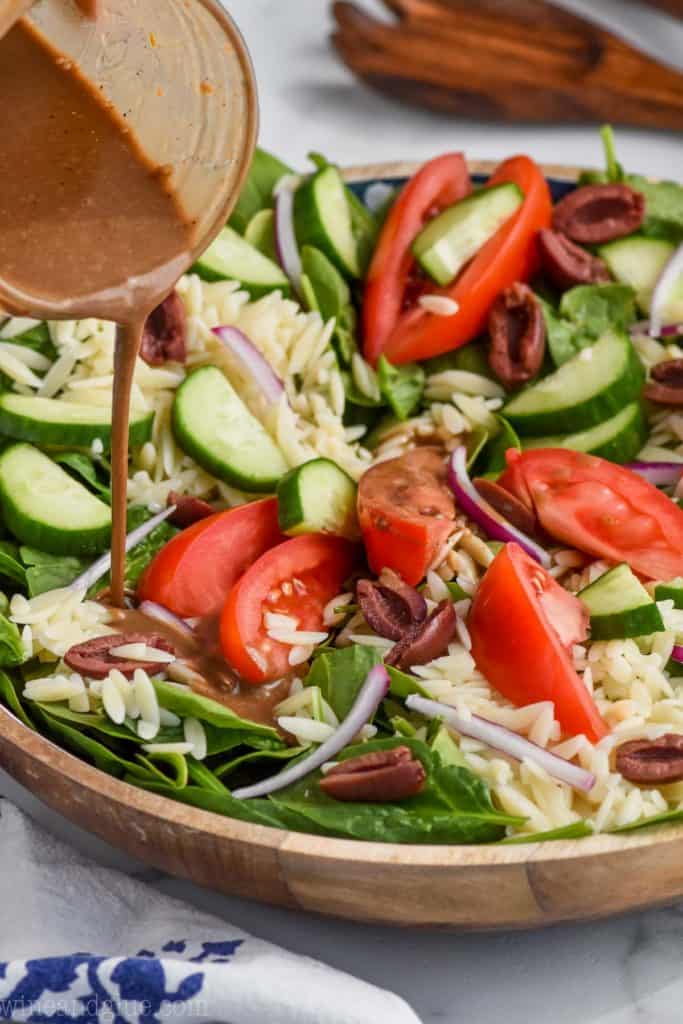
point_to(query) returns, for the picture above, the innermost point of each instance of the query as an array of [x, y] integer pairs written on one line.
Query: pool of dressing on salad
[[78, 207]]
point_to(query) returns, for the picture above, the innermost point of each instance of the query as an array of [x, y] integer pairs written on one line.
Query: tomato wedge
[[438, 184], [296, 579], [600, 508], [523, 625], [406, 512], [511, 255], [193, 574]]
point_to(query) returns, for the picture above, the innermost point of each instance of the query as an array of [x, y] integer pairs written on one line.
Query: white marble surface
[[625, 971]]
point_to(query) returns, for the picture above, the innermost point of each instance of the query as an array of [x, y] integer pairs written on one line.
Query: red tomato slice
[[194, 573], [511, 255], [522, 625], [438, 184], [297, 579], [406, 512], [600, 508]]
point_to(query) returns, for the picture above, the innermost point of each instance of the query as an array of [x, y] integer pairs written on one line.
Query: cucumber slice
[[618, 439], [450, 240], [671, 591], [231, 257], [322, 218], [620, 606], [52, 423], [213, 425], [318, 497], [586, 390], [260, 233], [637, 261], [45, 508]]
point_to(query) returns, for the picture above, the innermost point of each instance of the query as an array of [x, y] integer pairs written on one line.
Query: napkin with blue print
[[82, 944]]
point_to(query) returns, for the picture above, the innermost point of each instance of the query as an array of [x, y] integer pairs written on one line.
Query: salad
[[405, 559]]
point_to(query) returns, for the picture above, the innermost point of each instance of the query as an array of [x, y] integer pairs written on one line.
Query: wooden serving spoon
[[508, 60]]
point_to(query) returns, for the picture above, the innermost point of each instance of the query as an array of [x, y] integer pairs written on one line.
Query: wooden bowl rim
[[97, 785]]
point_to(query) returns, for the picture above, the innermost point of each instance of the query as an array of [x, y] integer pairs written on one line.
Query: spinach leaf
[[594, 308], [80, 466], [103, 757], [11, 648], [453, 807], [10, 564], [403, 684], [285, 754], [326, 292], [340, 673], [48, 572], [402, 387], [577, 830], [192, 705], [203, 777], [142, 554], [358, 397], [96, 723], [494, 453], [177, 774], [260, 232], [36, 338], [585, 313], [10, 698], [257, 191]]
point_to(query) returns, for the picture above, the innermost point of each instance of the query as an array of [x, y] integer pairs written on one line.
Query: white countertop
[[624, 971]]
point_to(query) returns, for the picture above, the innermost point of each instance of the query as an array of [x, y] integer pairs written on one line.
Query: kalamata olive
[[666, 386], [652, 762], [93, 657], [163, 339], [599, 213], [379, 777], [567, 264], [427, 641], [189, 510], [517, 332]]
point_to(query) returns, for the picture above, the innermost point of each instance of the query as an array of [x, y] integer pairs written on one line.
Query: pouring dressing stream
[[90, 224]]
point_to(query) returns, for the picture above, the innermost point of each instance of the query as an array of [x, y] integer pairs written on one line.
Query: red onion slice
[[507, 742], [661, 474], [157, 611], [371, 693], [667, 331], [253, 362], [102, 566], [677, 653], [666, 281], [485, 515], [286, 244]]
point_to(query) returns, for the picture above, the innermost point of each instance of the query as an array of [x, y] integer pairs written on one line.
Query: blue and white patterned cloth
[[82, 944]]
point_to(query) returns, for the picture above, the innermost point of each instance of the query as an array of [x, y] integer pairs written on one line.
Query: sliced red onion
[[667, 331], [661, 474], [677, 653], [157, 611], [373, 690], [483, 514], [253, 362], [286, 244], [102, 566], [507, 742], [673, 269]]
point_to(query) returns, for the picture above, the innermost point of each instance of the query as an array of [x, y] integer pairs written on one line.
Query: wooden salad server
[[509, 60]]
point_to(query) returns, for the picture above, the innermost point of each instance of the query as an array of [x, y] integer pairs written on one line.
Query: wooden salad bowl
[[468, 887]]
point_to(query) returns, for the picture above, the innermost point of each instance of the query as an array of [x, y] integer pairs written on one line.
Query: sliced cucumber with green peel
[[671, 591], [591, 387], [53, 423], [231, 257], [322, 218], [260, 233], [450, 240], [618, 439], [47, 509], [213, 425], [637, 261], [318, 497], [620, 606]]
